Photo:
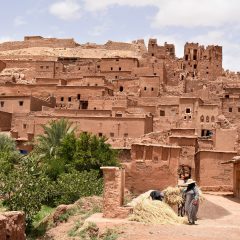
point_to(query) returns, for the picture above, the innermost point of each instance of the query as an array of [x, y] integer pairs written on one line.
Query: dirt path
[[219, 219]]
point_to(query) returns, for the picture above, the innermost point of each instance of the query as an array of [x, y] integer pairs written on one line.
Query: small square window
[[188, 110], [47, 67], [111, 68], [239, 109], [78, 96], [152, 88], [230, 109], [41, 67], [2, 103], [62, 99], [117, 60], [120, 69], [162, 113], [145, 88], [111, 134], [20, 103], [100, 134], [24, 126], [69, 99]]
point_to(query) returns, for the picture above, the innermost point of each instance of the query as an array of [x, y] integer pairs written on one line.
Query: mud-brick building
[[23, 103], [236, 174], [152, 166], [5, 121], [211, 174], [99, 122]]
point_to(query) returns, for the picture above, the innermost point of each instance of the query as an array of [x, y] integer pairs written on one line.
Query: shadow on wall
[[209, 210]]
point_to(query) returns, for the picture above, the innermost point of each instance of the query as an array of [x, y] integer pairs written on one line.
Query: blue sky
[[174, 21]]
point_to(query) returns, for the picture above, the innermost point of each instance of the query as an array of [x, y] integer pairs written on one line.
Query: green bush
[[71, 186], [25, 188], [8, 154]]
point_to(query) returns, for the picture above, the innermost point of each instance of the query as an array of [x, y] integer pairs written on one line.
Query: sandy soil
[[219, 219]]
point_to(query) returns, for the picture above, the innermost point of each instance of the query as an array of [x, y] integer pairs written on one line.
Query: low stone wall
[[12, 226]]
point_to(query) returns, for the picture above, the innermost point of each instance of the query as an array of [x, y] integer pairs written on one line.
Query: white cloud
[[66, 9], [93, 5], [19, 21], [180, 13]]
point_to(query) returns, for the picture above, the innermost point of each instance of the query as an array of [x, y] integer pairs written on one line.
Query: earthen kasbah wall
[[152, 167], [173, 110], [36, 41]]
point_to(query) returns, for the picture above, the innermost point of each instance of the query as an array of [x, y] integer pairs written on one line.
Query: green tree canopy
[[8, 153], [25, 187]]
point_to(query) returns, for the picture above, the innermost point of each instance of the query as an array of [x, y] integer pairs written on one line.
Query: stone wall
[[38, 42], [12, 226], [236, 179], [113, 196], [210, 173]]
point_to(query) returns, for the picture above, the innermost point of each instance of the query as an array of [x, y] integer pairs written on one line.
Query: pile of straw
[[140, 198], [173, 196], [155, 212]]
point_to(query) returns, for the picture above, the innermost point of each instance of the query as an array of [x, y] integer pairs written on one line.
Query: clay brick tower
[[162, 52], [201, 62]]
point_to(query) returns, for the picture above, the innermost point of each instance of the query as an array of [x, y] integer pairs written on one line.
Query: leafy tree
[[49, 143], [92, 152], [8, 153], [25, 187], [71, 186]]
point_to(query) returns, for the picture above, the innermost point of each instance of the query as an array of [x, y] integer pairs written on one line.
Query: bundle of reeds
[[155, 212], [173, 196]]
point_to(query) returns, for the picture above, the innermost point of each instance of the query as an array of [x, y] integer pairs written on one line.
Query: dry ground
[[219, 219]]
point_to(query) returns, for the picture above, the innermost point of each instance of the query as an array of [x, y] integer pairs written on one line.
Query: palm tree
[[49, 143]]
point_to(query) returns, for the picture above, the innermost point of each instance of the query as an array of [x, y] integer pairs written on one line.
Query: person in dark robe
[[191, 195]]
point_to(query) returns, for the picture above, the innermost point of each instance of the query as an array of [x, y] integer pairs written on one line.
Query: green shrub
[[25, 188], [71, 186]]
